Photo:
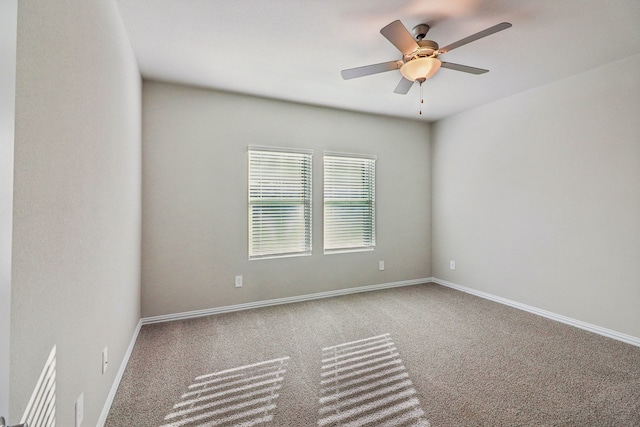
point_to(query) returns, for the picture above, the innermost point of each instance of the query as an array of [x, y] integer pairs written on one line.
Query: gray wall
[[76, 229], [195, 198], [8, 32], [537, 197]]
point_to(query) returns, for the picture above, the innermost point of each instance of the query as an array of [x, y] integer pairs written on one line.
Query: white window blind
[[349, 203], [279, 203]]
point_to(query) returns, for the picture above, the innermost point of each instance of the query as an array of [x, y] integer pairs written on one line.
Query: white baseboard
[[278, 301], [118, 378], [544, 313]]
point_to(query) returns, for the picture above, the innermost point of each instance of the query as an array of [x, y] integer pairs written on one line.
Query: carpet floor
[[422, 355]]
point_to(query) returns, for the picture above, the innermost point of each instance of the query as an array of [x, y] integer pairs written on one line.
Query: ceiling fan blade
[[463, 68], [352, 73], [476, 36], [403, 87], [398, 35]]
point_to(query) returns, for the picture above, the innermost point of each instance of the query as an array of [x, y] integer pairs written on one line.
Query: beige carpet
[[421, 355]]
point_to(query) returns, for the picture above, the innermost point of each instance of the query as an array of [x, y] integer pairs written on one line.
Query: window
[[349, 203], [279, 202]]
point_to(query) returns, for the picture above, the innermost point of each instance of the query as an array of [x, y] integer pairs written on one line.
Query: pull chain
[[421, 98]]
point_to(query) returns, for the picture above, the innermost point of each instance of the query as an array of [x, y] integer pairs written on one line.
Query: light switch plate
[[105, 360]]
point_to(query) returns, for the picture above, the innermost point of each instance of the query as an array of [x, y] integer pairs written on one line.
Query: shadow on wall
[[41, 409]]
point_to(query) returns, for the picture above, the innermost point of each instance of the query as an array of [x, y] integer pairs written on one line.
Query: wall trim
[[116, 382], [279, 301], [629, 339]]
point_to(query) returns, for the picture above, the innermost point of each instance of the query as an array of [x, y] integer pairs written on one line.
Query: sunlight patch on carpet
[[364, 382], [243, 396]]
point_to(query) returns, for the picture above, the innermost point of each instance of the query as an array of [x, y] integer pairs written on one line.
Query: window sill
[[346, 251]]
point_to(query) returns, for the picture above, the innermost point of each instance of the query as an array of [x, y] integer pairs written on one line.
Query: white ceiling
[[294, 49]]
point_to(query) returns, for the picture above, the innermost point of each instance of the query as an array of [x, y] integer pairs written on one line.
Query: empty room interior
[[462, 249]]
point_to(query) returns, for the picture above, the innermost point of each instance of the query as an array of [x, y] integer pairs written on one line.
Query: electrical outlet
[[380, 265], [79, 410], [105, 360], [452, 264], [238, 281]]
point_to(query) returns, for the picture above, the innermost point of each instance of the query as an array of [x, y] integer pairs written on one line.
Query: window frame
[[291, 193], [365, 197]]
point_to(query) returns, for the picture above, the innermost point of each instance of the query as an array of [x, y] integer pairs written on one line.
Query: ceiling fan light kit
[[419, 56], [420, 69]]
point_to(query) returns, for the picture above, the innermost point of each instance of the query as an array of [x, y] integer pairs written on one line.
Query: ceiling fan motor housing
[[427, 48]]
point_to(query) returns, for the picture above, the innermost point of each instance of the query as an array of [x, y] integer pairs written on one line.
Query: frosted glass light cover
[[420, 68]]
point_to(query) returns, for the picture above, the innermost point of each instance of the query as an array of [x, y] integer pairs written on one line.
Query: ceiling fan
[[419, 56]]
